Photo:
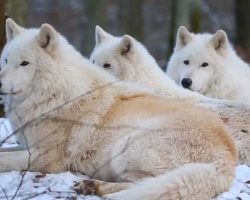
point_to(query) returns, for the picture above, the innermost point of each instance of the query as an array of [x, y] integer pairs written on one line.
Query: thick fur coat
[[129, 60], [75, 116], [207, 63]]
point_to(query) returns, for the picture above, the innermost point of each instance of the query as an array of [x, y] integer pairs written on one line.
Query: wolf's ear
[[183, 37], [48, 38], [100, 35], [220, 41], [12, 29], [126, 44]]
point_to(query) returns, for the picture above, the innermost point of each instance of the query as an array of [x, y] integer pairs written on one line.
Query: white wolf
[[76, 116], [207, 64], [112, 52], [129, 60]]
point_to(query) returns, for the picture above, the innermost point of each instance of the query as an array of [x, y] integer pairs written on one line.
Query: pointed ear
[[219, 41], [48, 38], [183, 37], [12, 29], [100, 35], [126, 44]]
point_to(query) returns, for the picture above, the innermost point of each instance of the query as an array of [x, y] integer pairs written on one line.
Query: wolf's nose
[[0, 84], [186, 82]]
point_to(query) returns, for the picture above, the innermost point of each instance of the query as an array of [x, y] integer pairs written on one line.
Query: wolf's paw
[[86, 187]]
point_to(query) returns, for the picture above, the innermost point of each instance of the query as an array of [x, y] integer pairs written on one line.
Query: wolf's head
[[197, 59], [120, 56], [27, 51]]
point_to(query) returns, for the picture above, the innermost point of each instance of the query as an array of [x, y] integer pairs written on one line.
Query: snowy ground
[[5, 130], [40, 186], [34, 185]]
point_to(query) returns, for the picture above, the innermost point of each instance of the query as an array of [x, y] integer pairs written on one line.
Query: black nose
[[0, 84], [186, 82]]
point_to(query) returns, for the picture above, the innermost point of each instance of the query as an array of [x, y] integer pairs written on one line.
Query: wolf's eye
[[106, 65], [24, 63], [93, 61], [6, 61], [186, 62], [205, 64]]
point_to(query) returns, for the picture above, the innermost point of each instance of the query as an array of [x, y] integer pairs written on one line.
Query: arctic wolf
[[76, 116], [207, 64], [129, 60], [119, 56]]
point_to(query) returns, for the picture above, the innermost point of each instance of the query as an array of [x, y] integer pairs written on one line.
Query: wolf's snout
[[186, 82]]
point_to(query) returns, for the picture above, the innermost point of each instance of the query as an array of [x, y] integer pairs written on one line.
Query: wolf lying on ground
[[129, 60], [76, 116], [208, 64]]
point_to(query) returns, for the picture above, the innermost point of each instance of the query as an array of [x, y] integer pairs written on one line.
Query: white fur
[[153, 188], [87, 124], [227, 76], [136, 65]]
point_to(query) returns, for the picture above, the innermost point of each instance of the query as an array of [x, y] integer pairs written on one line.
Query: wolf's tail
[[194, 181]]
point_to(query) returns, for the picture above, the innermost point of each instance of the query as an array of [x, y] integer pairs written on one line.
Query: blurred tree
[[97, 15], [2, 38], [18, 10], [2, 24], [132, 18], [184, 13], [242, 14]]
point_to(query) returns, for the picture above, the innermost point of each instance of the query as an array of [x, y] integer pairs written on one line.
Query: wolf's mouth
[[189, 88]]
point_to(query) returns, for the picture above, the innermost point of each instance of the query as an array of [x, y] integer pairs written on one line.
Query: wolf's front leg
[[14, 160], [100, 188]]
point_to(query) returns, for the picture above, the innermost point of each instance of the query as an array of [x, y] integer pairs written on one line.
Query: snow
[[59, 186], [240, 190], [6, 130], [40, 186]]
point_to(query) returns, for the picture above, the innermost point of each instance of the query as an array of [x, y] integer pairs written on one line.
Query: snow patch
[[40, 186], [5, 131]]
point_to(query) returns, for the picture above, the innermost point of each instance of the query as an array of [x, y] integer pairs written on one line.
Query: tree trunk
[[97, 15], [2, 39], [132, 18], [184, 13], [242, 14], [18, 10], [2, 25]]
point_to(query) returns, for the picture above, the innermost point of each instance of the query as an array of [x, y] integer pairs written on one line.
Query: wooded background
[[153, 22]]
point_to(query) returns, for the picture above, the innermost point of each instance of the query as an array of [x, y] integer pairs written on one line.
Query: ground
[[34, 185]]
